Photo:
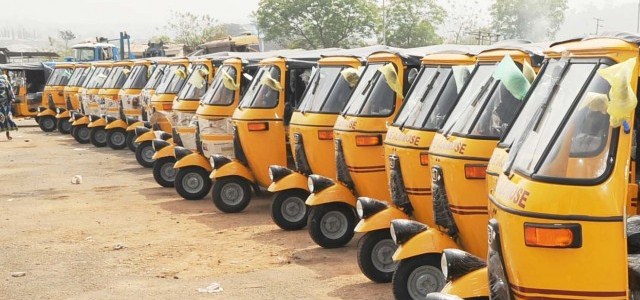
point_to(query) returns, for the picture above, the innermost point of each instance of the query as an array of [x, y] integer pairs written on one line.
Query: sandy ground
[[63, 235]]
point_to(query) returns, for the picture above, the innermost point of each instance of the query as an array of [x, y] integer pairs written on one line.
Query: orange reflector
[[548, 237], [262, 126], [475, 171], [60, 93], [368, 140], [167, 106], [424, 159], [325, 134]]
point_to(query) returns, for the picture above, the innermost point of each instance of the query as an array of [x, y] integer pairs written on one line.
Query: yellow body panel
[[335, 193], [102, 122], [46, 112], [82, 121], [294, 180], [146, 137], [164, 152], [319, 152], [380, 220], [234, 168], [428, 241], [116, 124], [194, 159], [474, 284], [64, 115], [135, 125]]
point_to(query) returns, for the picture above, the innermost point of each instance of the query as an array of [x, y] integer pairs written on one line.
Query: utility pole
[[384, 23], [638, 19], [598, 26]]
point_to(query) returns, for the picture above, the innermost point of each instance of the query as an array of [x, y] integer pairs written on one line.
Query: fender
[[294, 180], [335, 193], [474, 284], [146, 137], [164, 152], [63, 115], [196, 160], [234, 168], [428, 241], [82, 121], [135, 125], [46, 112], [381, 220], [102, 122], [116, 124]]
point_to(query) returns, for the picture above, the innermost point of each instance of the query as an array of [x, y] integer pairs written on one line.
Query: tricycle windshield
[[98, 78], [372, 97], [116, 78], [194, 89], [265, 89], [156, 76], [328, 91], [430, 99], [171, 82], [571, 138], [77, 77], [220, 93], [138, 77], [60, 77]]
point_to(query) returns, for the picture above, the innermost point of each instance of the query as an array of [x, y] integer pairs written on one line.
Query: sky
[[141, 18]]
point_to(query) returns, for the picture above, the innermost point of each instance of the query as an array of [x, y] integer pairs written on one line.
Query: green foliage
[[317, 23], [160, 38], [528, 19], [411, 23], [192, 30], [66, 36]]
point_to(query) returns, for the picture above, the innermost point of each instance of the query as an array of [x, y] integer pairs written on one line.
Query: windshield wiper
[[416, 112], [471, 106]]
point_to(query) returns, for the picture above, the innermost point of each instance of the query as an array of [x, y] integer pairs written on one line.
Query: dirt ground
[[64, 236]]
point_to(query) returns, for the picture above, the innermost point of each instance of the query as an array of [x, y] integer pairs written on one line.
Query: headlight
[[141, 130], [317, 183], [456, 263], [58, 110], [181, 152], [217, 161], [278, 172], [367, 207], [270, 174], [404, 230], [310, 184]]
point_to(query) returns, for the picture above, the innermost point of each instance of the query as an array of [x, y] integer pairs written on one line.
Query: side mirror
[[411, 77]]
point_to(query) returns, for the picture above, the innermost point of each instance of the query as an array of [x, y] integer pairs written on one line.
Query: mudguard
[[194, 159], [472, 285], [164, 152], [116, 124], [63, 115], [294, 180], [234, 168], [381, 220], [146, 137], [82, 121], [135, 125], [46, 112], [102, 122], [335, 193], [428, 241]]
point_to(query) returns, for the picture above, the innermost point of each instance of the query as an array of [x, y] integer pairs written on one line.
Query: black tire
[[186, 186], [98, 136], [375, 250], [163, 171], [408, 284], [64, 126], [288, 209], [82, 134], [321, 215], [142, 154], [232, 186], [131, 141], [117, 138], [48, 123]]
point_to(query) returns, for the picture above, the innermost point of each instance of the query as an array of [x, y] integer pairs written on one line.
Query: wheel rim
[[66, 126], [192, 183], [423, 281], [381, 255], [48, 123], [147, 153], [101, 136], [333, 225], [168, 172], [293, 209], [118, 138], [232, 193], [83, 133]]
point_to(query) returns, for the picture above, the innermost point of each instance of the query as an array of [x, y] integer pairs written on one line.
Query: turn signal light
[[262, 126], [325, 134], [553, 235], [167, 106], [475, 171], [424, 159], [60, 93], [368, 140]]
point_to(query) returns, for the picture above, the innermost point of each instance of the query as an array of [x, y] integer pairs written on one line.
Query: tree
[[160, 38], [66, 36], [411, 23], [317, 23], [192, 30], [463, 19], [528, 19]]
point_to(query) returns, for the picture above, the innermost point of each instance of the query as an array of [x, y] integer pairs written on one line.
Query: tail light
[[167, 106], [262, 126], [424, 159], [325, 135], [475, 171], [368, 140], [553, 235]]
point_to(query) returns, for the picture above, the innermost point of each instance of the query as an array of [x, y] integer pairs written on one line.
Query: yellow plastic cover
[[351, 75], [391, 77], [622, 100], [229, 82], [461, 74], [512, 78], [198, 78], [528, 72], [271, 83], [181, 73]]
